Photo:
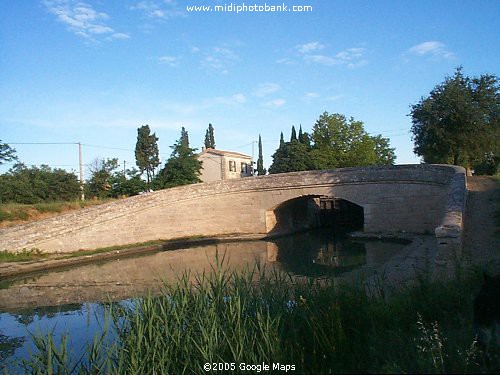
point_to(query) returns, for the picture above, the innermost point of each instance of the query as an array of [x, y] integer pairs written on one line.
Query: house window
[[244, 168], [232, 166]]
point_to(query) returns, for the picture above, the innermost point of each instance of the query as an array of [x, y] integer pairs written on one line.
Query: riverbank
[[57, 261]]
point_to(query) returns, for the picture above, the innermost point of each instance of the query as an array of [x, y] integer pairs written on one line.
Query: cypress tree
[[282, 140], [260, 161], [209, 137], [293, 137], [146, 152]]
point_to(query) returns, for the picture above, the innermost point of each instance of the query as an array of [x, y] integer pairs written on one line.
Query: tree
[[304, 138], [7, 153], [458, 122], [38, 184], [282, 140], [183, 166], [291, 157], [101, 181], [209, 137], [260, 161], [339, 142], [293, 136], [126, 184], [146, 152]]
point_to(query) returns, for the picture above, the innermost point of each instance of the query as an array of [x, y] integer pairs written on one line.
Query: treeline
[[30, 185], [38, 184], [335, 142]]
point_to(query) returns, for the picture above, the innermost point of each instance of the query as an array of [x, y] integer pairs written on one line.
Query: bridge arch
[[312, 211]]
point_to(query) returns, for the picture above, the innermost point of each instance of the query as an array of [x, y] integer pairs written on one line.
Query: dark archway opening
[[309, 212], [340, 214]]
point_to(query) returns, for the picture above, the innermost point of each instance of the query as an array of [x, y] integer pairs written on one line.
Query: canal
[[74, 300]]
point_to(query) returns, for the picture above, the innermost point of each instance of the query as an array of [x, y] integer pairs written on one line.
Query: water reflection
[[31, 300], [322, 253], [316, 254]]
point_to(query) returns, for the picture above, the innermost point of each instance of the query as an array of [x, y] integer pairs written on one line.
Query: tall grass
[[259, 316], [15, 212]]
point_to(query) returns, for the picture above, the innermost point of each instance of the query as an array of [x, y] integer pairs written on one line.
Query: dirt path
[[481, 225]]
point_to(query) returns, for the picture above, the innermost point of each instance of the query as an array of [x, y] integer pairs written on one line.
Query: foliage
[[292, 156], [12, 212], [489, 165], [146, 152], [337, 143], [209, 137], [22, 256], [183, 166], [127, 184], [107, 181], [7, 153], [38, 184], [261, 171], [293, 135], [459, 121], [99, 184], [304, 138], [260, 316]]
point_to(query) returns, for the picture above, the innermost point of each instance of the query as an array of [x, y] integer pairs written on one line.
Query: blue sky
[[94, 71]]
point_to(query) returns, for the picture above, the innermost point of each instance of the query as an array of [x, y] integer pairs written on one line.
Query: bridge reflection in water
[[317, 253]]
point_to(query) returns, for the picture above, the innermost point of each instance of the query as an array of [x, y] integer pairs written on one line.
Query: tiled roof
[[224, 153]]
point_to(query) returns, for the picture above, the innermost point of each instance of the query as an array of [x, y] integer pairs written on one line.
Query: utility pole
[[253, 162], [124, 163], [82, 194]]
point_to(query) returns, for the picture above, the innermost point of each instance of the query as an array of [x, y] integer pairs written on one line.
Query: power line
[[42, 143]]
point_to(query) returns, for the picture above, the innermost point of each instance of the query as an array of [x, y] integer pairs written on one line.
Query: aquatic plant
[[261, 316]]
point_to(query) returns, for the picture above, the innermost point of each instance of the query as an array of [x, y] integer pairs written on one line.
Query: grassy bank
[[261, 317], [14, 213], [22, 256]]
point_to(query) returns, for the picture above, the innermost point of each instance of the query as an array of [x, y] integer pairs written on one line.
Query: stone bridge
[[410, 198]]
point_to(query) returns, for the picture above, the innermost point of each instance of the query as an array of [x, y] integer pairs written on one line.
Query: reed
[[262, 316]]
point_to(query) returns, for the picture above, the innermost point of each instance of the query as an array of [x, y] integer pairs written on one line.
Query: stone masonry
[[410, 198]]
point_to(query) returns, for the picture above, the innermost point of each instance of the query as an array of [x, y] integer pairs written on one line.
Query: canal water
[[73, 300]]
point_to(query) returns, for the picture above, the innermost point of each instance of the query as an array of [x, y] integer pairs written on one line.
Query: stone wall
[[410, 198]]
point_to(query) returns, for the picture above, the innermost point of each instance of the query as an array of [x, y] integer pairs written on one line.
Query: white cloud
[[335, 97], [286, 61], [351, 57], [82, 19], [266, 89], [219, 59], [321, 59], [311, 95], [120, 36], [431, 48], [231, 100], [310, 47], [276, 103], [158, 9], [169, 60]]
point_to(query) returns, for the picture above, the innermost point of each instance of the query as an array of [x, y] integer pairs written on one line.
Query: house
[[224, 165]]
